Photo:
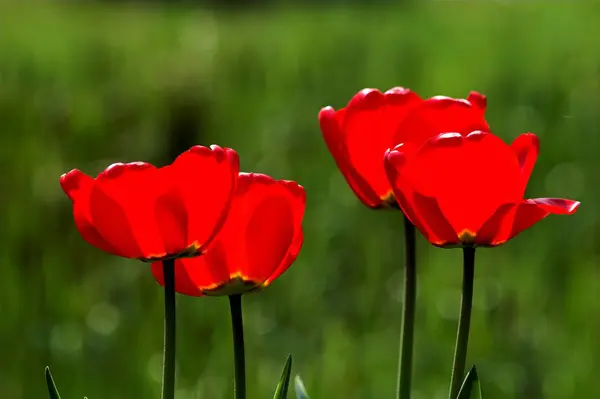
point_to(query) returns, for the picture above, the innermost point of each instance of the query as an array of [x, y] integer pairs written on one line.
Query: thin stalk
[[464, 322], [168, 378], [408, 312], [235, 305]]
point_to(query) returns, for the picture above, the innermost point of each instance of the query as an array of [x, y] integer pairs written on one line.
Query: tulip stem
[[168, 378], [408, 311], [464, 322], [237, 324]]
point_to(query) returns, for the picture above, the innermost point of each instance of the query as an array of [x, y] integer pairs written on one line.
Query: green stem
[[237, 324], [464, 322], [408, 312], [168, 379]]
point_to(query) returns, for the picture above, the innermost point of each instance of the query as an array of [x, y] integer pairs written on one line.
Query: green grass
[[85, 86]]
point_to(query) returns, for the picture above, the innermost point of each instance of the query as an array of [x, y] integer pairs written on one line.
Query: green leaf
[[284, 381], [300, 390], [52, 391], [466, 390]]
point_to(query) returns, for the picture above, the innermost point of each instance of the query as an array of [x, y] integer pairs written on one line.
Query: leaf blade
[[466, 389], [284, 381], [52, 390]]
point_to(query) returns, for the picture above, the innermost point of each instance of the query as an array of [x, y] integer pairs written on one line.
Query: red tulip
[[260, 240], [136, 210], [468, 190], [358, 136]]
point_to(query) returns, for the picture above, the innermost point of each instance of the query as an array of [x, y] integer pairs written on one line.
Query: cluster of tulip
[[208, 229]]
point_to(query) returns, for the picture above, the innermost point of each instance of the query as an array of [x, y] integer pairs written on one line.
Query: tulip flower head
[[261, 238], [136, 210], [468, 190], [359, 134]]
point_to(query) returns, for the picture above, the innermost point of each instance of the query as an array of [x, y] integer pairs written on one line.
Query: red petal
[[526, 148], [478, 100], [330, 122], [290, 258], [144, 212], [186, 271], [197, 275], [172, 221], [121, 203], [556, 206], [260, 239], [77, 185], [203, 181], [265, 217], [422, 211], [370, 123], [442, 114], [469, 176], [511, 219]]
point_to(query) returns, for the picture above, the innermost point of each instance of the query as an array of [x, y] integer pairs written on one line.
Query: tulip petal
[[556, 206], [478, 100], [77, 185], [469, 176], [369, 125], [511, 219], [330, 122], [526, 148], [121, 202], [259, 240], [135, 210], [440, 114], [358, 135], [172, 220], [198, 275], [289, 259], [422, 211], [435, 221], [204, 180], [186, 270], [268, 217]]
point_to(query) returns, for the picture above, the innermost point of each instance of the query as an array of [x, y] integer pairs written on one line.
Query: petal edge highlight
[[511, 219], [330, 123]]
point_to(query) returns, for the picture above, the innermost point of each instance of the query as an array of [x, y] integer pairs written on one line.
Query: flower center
[[235, 286], [389, 201], [467, 237], [190, 252]]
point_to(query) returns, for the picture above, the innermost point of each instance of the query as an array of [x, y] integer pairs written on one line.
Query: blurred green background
[[85, 85]]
